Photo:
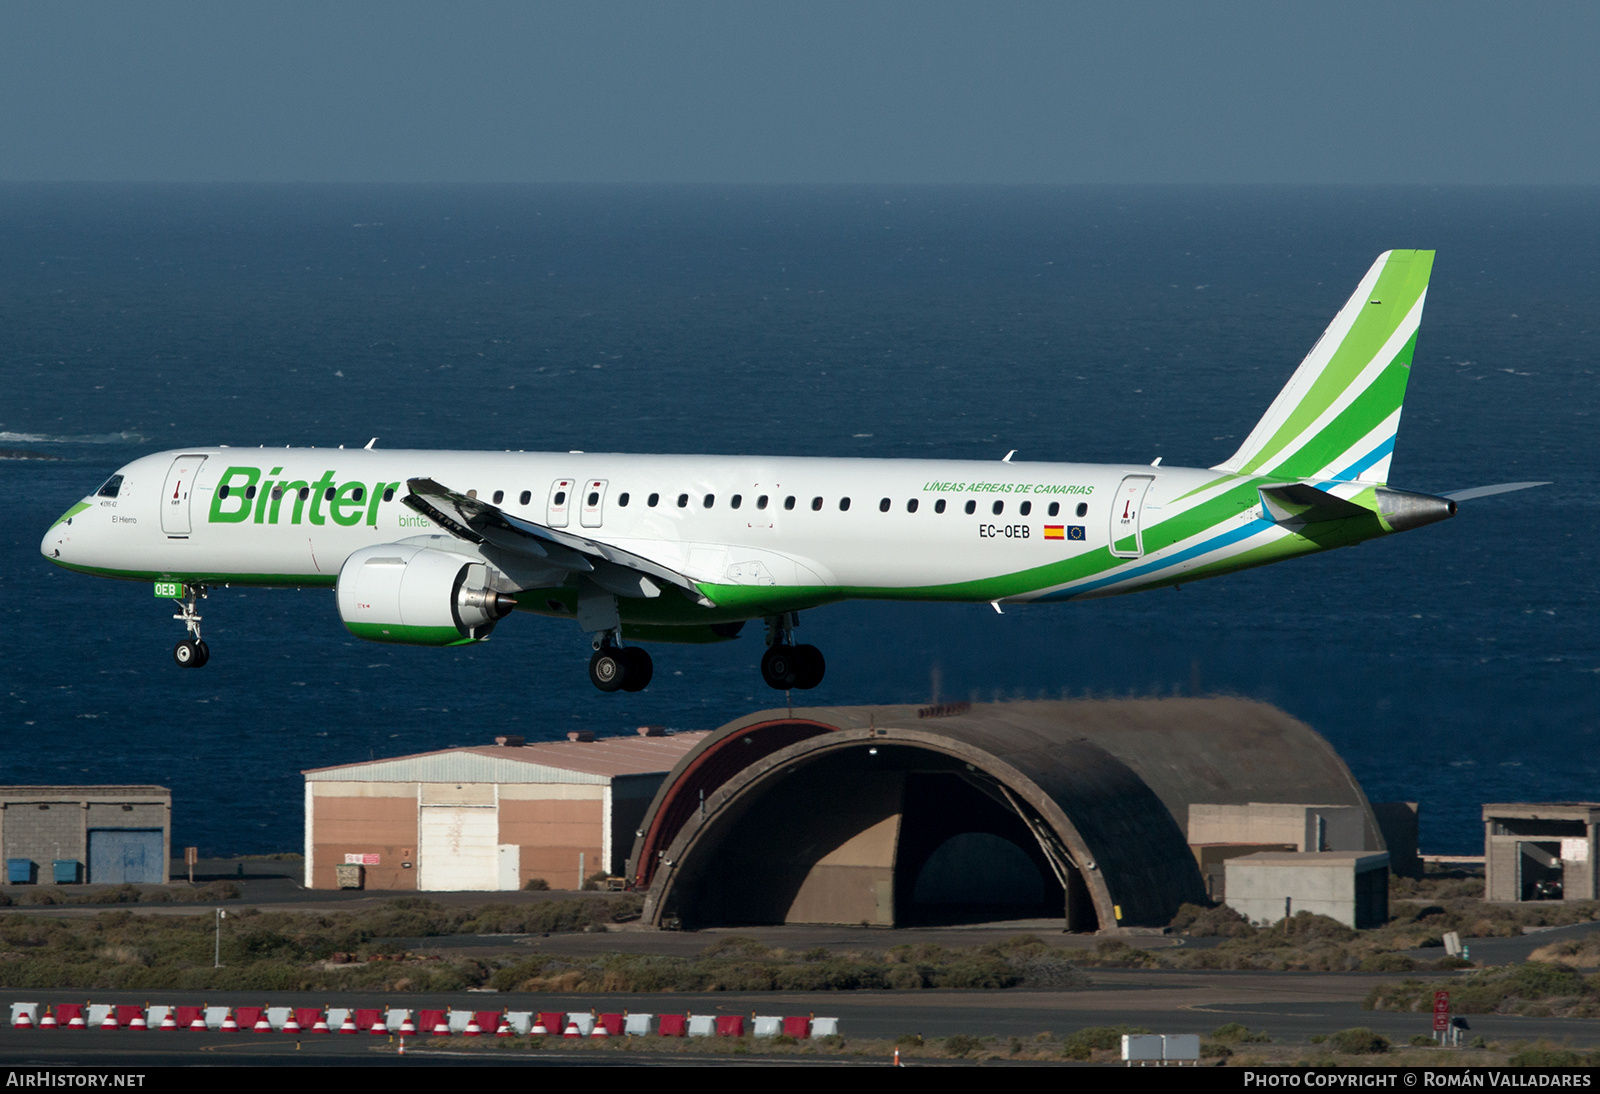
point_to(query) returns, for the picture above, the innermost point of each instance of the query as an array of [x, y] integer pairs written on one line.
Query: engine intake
[[419, 596]]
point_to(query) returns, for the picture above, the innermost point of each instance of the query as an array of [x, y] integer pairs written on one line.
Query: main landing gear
[[619, 668], [786, 665], [192, 652]]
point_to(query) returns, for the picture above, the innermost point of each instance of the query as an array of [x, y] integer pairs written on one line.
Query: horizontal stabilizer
[[1298, 501], [1490, 491]]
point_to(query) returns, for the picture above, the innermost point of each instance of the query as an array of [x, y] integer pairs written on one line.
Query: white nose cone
[[59, 537]]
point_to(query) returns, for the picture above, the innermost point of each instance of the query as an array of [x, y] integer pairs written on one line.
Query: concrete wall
[[1342, 827], [363, 819], [55, 823], [1212, 858], [1398, 823], [1330, 884], [554, 824]]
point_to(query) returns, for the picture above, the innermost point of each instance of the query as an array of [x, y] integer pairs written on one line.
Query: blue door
[[125, 855]]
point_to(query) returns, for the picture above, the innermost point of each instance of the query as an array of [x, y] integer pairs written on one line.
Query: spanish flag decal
[[1054, 531]]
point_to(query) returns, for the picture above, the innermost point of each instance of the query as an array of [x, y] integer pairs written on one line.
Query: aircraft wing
[[1490, 491], [620, 572]]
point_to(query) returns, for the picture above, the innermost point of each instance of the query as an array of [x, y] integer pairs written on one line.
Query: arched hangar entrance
[[899, 815]]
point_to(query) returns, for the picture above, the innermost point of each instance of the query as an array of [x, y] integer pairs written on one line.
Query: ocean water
[[1452, 665]]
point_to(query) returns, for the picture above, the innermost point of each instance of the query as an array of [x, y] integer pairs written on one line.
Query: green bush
[[1359, 1041], [1237, 1032], [1080, 1045], [1219, 922], [1545, 1056], [961, 1045]]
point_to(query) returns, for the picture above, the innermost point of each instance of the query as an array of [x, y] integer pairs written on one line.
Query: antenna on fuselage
[[1007, 457], [368, 446]]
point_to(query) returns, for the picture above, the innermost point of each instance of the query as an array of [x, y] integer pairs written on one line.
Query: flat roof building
[[63, 835], [1540, 850], [488, 817]]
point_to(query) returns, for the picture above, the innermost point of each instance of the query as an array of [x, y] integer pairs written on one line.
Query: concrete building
[[1301, 827], [1350, 886], [1540, 850], [92, 834], [488, 817], [895, 815]]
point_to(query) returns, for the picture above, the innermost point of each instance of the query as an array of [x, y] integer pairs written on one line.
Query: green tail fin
[[1337, 417]]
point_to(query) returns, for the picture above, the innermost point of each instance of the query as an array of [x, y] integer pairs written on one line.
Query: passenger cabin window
[[1055, 508], [911, 506], [938, 506], [111, 488], [761, 502], [883, 506], [1027, 507], [499, 496], [1083, 508], [473, 494], [622, 500], [561, 497], [522, 499], [736, 501], [816, 504], [277, 492], [972, 507], [224, 490], [388, 494], [683, 501], [250, 492], [305, 492], [844, 504], [999, 507], [652, 500], [356, 495], [594, 498], [710, 500], [788, 502]]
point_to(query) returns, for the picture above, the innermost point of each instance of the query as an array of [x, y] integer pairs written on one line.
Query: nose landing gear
[[192, 652], [786, 665]]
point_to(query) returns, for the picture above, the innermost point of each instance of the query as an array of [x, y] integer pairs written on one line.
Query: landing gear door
[[1126, 509], [560, 505], [175, 495], [594, 502]]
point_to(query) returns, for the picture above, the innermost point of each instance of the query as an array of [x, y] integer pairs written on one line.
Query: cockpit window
[[112, 487]]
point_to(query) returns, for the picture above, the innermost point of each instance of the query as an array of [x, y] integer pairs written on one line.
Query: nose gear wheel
[[192, 652]]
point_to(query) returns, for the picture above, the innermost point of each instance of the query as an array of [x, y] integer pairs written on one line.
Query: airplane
[[435, 548]]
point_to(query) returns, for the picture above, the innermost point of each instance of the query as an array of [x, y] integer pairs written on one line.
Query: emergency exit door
[[175, 495], [1127, 541]]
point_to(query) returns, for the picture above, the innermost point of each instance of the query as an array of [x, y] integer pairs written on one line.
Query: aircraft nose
[[54, 544]]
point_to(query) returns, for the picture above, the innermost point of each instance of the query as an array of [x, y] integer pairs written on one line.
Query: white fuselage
[[921, 529]]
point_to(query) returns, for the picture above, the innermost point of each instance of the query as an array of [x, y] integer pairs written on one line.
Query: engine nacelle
[[418, 596]]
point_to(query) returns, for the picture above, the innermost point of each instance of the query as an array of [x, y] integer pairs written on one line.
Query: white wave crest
[[125, 437]]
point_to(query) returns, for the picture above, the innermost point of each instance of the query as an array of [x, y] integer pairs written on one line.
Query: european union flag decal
[[1075, 531]]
